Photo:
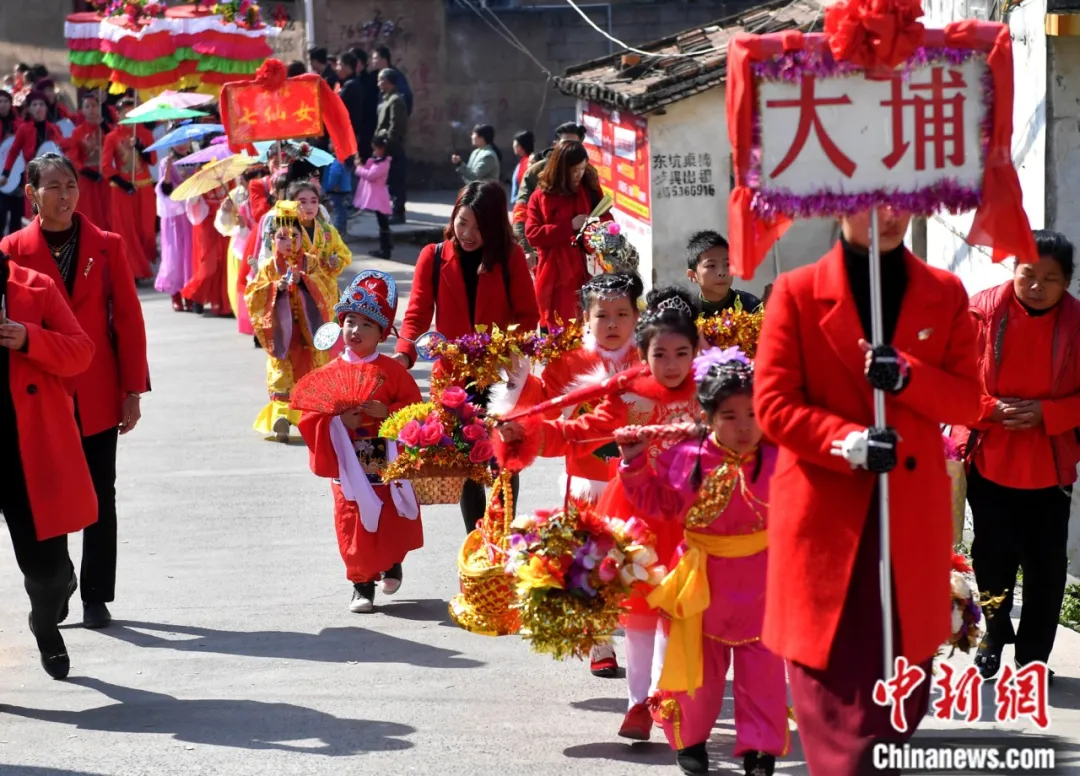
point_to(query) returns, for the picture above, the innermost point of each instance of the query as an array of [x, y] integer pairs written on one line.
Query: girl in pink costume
[[717, 485]]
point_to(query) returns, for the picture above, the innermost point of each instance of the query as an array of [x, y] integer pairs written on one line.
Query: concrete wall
[[944, 233], [33, 32], [464, 73], [1063, 138]]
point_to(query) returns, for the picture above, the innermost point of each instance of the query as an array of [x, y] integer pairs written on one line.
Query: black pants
[[98, 582], [11, 213], [1025, 529], [473, 501], [395, 180], [45, 565], [386, 240]]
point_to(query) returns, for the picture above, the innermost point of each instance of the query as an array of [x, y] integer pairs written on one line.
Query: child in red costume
[[667, 338], [377, 524], [610, 303]]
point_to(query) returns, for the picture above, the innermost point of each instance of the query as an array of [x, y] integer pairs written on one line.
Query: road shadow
[[642, 753], [422, 610], [1065, 694], [331, 645], [603, 705], [239, 724]]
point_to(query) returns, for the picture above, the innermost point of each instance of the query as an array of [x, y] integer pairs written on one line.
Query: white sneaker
[[362, 598]]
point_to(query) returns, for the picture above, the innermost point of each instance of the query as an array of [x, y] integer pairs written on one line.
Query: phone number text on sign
[[919, 133]]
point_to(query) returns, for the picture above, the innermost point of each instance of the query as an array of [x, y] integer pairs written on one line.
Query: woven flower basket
[[438, 489], [485, 604]]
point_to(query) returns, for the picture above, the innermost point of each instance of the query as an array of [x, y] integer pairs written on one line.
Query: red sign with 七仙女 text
[[256, 113], [618, 146]]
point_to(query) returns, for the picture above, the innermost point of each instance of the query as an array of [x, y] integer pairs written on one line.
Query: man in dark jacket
[[380, 60], [369, 83], [394, 126], [567, 131], [352, 94], [319, 58]]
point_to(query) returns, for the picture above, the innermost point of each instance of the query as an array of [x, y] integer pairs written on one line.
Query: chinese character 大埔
[[809, 121]]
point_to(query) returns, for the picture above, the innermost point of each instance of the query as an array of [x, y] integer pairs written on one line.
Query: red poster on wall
[[618, 146]]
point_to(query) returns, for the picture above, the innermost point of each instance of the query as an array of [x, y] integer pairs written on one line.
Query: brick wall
[[464, 73]]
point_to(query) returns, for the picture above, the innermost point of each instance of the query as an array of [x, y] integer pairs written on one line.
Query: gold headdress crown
[[286, 213]]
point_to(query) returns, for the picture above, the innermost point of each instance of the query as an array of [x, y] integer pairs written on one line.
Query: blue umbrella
[[185, 134], [317, 157]]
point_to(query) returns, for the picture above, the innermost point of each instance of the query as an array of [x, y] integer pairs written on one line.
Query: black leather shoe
[[693, 760], [73, 585], [96, 616], [758, 764], [54, 656]]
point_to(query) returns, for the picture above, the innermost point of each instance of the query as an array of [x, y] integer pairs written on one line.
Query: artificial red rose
[[453, 397], [467, 411], [482, 452], [608, 570], [474, 432], [431, 433], [410, 434]]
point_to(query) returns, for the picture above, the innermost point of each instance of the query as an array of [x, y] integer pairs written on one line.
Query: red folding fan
[[336, 388]]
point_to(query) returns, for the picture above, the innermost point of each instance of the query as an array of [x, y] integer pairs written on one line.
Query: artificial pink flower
[[410, 434], [613, 228], [482, 452], [608, 570], [431, 433], [468, 412], [474, 432], [453, 397]]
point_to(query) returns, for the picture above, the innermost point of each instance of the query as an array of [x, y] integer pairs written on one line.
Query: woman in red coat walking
[[814, 399], [567, 192], [477, 276], [94, 278], [43, 500]]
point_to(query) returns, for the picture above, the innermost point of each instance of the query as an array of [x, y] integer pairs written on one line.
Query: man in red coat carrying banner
[[865, 353]]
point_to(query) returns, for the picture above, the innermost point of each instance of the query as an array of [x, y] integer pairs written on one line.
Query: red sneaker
[[637, 724], [602, 661]]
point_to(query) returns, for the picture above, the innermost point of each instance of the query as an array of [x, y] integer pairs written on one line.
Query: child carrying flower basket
[[573, 570], [442, 443]]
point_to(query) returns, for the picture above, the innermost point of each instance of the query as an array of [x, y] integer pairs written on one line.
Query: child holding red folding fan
[[343, 405]]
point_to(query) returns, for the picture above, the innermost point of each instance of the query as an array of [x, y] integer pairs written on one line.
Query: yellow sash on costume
[[684, 594]]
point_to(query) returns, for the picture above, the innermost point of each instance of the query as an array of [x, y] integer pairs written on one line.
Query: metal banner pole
[[877, 332]]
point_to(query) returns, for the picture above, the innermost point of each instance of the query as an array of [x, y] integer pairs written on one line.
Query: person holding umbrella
[[815, 377], [84, 148], [125, 163]]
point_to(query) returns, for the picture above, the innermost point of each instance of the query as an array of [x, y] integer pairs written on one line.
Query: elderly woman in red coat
[[815, 399], [41, 347], [95, 281], [567, 191]]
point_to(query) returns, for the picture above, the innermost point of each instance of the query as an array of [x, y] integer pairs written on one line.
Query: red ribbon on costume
[[615, 384]]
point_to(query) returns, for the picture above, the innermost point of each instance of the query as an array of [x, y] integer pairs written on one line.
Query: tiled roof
[[661, 78]]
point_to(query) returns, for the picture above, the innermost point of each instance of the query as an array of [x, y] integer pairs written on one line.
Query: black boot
[[694, 759], [54, 656], [96, 616], [758, 764], [73, 585], [386, 245]]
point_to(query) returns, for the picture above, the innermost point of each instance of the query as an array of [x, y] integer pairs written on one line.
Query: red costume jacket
[[560, 264], [589, 472], [811, 390], [1061, 404], [57, 350], [116, 158], [26, 142], [451, 309], [108, 310]]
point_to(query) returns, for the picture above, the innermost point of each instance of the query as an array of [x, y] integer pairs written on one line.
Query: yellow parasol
[[211, 176]]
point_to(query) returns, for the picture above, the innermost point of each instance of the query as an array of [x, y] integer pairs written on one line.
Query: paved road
[[233, 651]]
